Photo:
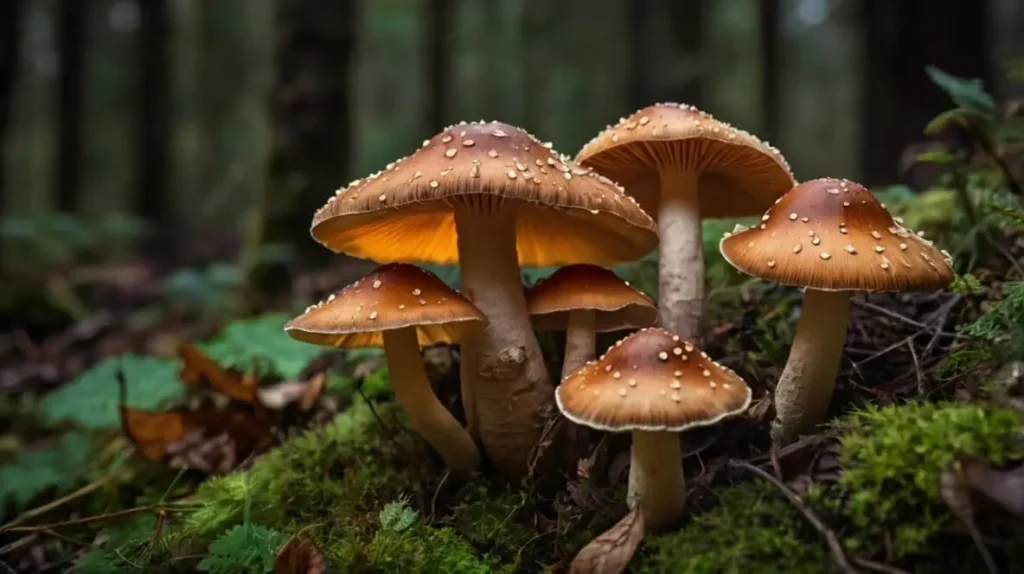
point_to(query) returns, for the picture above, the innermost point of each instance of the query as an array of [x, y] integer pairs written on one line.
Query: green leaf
[[939, 156], [961, 116], [246, 548], [91, 400], [965, 93], [60, 465], [261, 345]]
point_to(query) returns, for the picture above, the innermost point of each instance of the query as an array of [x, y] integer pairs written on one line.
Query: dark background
[[225, 123]]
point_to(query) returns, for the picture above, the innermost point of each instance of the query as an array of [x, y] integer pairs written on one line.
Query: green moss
[[753, 529], [892, 459]]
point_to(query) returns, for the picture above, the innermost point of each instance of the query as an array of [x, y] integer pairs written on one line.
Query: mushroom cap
[[834, 235], [739, 174], [652, 381], [566, 213], [393, 296], [579, 287]]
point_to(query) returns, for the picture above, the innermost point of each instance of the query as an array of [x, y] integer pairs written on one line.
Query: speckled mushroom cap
[[652, 380], [391, 297], [566, 213], [739, 174], [576, 287], [834, 235]]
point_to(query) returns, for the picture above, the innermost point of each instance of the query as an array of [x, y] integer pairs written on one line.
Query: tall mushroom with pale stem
[[683, 165], [400, 308], [832, 237], [584, 300], [491, 197], [655, 385]]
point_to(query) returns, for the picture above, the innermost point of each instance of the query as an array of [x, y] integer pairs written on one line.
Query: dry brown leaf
[[152, 433], [198, 366], [314, 389], [611, 552], [299, 557]]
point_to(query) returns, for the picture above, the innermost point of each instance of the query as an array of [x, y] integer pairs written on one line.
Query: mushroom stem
[[680, 255], [469, 350], [426, 413], [580, 340], [804, 391], [512, 394], [656, 479]]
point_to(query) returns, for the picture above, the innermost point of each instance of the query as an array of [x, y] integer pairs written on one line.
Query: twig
[[921, 390], [98, 517], [84, 491], [65, 538], [876, 566], [892, 314], [834, 546]]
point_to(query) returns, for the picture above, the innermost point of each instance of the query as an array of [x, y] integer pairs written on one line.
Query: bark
[[10, 54], [152, 197], [437, 37], [770, 68]]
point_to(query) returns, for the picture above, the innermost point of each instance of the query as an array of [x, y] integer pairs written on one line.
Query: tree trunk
[[71, 24], [10, 54], [664, 33], [900, 39], [310, 102], [437, 37], [770, 68], [151, 191]]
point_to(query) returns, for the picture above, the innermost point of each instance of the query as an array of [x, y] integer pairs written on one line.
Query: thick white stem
[[656, 479], [509, 387], [426, 413], [805, 388], [680, 255], [580, 341]]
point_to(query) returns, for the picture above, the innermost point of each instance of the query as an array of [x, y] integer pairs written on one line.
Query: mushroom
[[683, 165], [584, 300], [654, 384], [400, 308], [491, 197], [832, 237]]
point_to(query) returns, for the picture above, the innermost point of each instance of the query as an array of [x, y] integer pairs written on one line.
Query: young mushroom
[[683, 165], [400, 308], [491, 197], [654, 384], [584, 300], [832, 237]]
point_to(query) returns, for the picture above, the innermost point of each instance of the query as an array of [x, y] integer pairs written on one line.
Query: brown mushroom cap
[[391, 297], [578, 287], [834, 235], [739, 174], [566, 214], [652, 381]]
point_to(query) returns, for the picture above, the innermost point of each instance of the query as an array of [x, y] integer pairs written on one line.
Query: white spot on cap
[[824, 255], [376, 284], [663, 356], [373, 315]]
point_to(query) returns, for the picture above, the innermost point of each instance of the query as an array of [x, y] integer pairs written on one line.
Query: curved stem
[[426, 413], [680, 255], [805, 387], [510, 387], [580, 341], [656, 479]]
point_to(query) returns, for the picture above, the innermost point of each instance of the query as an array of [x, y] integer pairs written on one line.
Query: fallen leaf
[[611, 552], [198, 366], [299, 557], [315, 387], [152, 433], [1005, 488], [957, 495]]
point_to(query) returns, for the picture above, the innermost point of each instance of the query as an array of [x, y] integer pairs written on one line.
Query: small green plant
[[260, 345], [244, 549], [892, 459], [58, 466]]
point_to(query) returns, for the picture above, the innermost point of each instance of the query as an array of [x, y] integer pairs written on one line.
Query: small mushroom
[[400, 308], [501, 200], [655, 385], [683, 165], [584, 300], [832, 237]]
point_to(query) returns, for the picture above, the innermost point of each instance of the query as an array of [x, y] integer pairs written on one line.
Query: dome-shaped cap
[[565, 213], [652, 380], [577, 287], [834, 235], [393, 296], [739, 174]]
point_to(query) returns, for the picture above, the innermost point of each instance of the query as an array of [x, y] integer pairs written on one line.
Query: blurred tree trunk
[[71, 26], [663, 43], [310, 119], [151, 190], [770, 68], [437, 37], [901, 38], [10, 54]]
